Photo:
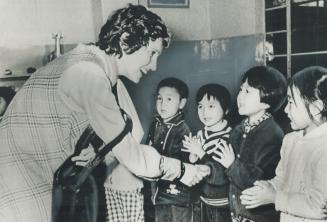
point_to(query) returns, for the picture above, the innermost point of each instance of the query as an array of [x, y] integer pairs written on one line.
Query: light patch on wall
[[211, 49], [28, 23]]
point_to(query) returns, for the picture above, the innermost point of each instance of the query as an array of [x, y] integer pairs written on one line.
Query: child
[[213, 104], [6, 95], [172, 200], [300, 185], [256, 141]]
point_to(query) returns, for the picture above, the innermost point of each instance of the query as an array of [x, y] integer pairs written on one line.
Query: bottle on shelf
[[57, 50]]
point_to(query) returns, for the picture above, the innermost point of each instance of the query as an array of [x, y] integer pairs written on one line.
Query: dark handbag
[[75, 194]]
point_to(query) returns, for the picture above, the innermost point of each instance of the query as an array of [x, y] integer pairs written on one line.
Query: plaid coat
[[37, 134], [44, 121]]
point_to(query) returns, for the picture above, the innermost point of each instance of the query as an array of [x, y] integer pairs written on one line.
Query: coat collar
[[178, 119]]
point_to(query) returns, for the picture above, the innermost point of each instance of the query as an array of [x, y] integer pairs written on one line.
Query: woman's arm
[[86, 89]]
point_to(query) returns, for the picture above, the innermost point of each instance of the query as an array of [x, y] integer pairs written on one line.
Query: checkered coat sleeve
[[45, 120]]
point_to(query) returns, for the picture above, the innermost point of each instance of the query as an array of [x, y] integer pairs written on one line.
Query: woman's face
[[135, 65]]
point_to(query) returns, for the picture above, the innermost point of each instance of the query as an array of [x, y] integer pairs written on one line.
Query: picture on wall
[[168, 3]]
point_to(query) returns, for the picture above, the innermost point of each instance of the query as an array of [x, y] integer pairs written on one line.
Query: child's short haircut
[[175, 83], [271, 83], [216, 91], [7, 93]]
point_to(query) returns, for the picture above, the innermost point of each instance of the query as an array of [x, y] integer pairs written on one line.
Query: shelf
[[15, 76]]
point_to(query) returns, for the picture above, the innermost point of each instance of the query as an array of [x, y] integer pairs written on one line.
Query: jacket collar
[[178, 119], [262, 123]]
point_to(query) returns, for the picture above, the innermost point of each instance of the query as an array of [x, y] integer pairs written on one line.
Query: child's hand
[[226, 154], [193, 145], [260, 194], [85, 156], [193, 158]]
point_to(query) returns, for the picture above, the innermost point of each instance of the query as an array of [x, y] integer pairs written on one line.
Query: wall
[[186, 23], [215, 41], [235, 18], [27, 28], [221, 61], [213, 19], [26, 23]]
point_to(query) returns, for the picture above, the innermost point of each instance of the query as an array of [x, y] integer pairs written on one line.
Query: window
[[297, 31]]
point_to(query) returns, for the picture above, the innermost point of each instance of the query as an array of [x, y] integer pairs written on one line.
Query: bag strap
[[90, 137], [84, 140], [105, 149], [99, 157]]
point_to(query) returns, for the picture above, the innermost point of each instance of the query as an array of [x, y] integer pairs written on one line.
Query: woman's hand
[[226, 154], [261, 193], [85, 156], [193, 145], [194, 174]]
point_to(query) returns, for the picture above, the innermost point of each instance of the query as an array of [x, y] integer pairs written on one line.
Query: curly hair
[[130, 28]]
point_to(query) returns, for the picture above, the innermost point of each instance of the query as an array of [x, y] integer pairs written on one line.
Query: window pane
[[276, 20], [301, 62], [275, 3], [309, 28], [279, 63], [309, 40], [312, 3], [279, 42]]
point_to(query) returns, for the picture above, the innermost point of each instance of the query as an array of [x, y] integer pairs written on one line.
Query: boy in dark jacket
[[253, 153], [213, 102], [172, 199]]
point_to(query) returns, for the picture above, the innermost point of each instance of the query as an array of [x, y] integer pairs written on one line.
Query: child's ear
[[182, 103], [316, 107]]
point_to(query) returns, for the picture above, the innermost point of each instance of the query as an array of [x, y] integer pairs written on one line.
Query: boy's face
[[248, 101], [210, 111], [3, 105], [168, 102]]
